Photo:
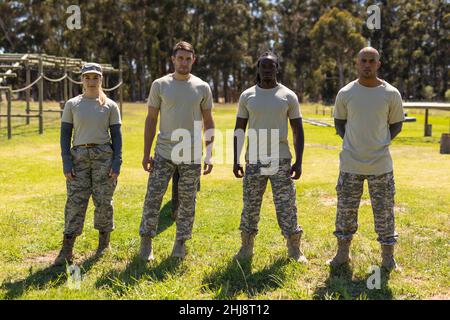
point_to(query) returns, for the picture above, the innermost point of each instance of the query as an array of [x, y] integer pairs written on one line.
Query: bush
[[428, 92]]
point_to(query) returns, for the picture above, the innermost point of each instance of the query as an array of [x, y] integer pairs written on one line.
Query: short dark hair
[[183, 45]]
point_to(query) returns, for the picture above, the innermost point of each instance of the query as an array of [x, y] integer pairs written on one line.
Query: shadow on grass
[[341, 285], [236, 277], [22, 129], [417, 140], [165, 217], [136, 269], [49, 277], [120, 281]]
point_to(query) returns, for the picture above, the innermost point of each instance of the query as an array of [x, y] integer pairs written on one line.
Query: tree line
[[316, 41]]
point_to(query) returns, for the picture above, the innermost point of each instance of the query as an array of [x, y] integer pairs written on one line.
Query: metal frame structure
[[426, 106], [12, 63]]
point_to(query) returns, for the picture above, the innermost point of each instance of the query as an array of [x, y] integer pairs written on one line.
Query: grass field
[[33, 194]]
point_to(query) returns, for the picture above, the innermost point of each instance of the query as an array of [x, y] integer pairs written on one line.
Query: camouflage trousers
[[283, 191], [158, 180], [91, 166], [175, 179], [349, 190]]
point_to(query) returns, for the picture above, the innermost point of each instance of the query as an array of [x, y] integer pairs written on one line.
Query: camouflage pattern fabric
[[158, 180], [91, 166], [349, 190], [175, 179], [283, 190]]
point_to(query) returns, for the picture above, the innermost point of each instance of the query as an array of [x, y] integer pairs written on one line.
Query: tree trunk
[[225, 75], [142, 79], [341, 74], [216, 86]]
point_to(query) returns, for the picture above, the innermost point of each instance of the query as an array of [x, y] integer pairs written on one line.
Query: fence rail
[[39, 81]]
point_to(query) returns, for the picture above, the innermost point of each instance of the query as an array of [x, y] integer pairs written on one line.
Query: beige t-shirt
[[180, 104], [90, 120], [369, 112], [268, 109]]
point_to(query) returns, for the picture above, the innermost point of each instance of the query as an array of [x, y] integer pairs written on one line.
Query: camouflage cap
[[91, 67]]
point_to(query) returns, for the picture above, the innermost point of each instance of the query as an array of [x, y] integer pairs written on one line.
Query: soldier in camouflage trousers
[[91, 166], [160, 175], [91, 162], [266, 107], [283, 189], [349, 191], [368, 115], [180, 101]]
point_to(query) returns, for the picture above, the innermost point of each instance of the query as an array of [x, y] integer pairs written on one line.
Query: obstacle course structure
[[13, 64]]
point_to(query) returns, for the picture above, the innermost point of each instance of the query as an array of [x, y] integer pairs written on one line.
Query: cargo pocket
[[391, 185], [73, 153], [106, 148], [340, 183]]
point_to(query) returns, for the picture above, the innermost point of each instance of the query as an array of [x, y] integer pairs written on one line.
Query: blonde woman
[[91, 166]]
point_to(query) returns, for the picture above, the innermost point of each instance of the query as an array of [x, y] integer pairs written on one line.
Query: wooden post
[[121, 87], [70, 87], [65, 81], [445, 143], [41, 96], [27, 92], [427, 127], [9, 97]]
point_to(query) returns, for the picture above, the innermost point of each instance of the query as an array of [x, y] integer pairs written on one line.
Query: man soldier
[[266, 108], [183, 100], [368, 115]]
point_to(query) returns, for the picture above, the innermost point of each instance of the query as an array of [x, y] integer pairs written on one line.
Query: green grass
[[31, 223]]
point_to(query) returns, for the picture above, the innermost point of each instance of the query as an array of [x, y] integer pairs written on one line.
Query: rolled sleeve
[[242, 107], [294, 107], [67, 113], [207, 101], [154, 97], [114, 117], [396, 113], [340, 108]]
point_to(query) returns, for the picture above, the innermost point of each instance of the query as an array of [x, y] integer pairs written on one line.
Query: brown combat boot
[[66, 253], [179, 249], [146, 252], [342, 255], [248, 242], [103, 243], [293, 245], [388, 262]]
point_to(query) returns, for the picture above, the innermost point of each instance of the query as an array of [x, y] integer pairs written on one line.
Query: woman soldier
[[92, 165]]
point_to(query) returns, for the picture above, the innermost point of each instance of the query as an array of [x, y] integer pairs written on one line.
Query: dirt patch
[[324, 146], [400, 209], [440, 297], [49, 257], [46, 258], [332, 202]]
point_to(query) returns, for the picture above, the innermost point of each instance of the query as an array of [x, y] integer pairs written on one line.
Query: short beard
[[370, 76], [183, 73]]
